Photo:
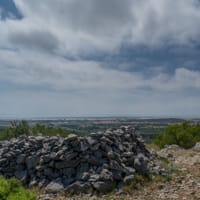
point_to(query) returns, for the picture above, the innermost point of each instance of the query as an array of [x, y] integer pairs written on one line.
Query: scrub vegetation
[[22, 128], [12, 189], [184, 134]]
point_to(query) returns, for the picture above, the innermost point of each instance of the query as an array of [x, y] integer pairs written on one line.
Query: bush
[[16, 129], [22, 128], [48, 130], [11, 189], [184, 135]]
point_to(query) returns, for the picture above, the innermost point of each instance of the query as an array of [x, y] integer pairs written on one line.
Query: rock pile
[[102, 161], [197, 147]]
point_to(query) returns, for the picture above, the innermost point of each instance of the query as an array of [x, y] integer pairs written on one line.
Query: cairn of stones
[[100, 162]]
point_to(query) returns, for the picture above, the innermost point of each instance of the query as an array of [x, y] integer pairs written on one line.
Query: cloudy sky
[[99, 58]]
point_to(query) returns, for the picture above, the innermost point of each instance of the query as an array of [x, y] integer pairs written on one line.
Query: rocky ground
[[186, 182], [116, 163], [183, 183]]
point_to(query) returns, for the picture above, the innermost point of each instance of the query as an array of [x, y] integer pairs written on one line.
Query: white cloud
[[81, 27], [36, 69], [162, 22], [181, 80], [34, 52]]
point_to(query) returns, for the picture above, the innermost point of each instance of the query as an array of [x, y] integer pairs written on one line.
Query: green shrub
[[11, 189], [6, 134], [184, 135], [4, 189], [22, 128], [48, 130], [16, 129]]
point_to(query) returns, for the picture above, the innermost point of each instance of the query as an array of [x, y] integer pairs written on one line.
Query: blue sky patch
[[9, 10]]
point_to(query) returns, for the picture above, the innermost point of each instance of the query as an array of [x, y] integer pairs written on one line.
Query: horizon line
[[98, 117]]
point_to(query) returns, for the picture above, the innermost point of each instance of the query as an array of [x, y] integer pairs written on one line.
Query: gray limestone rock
[[78, 187], [22, 175], [197, 147], [91, 141], [55, 186], [20, 159], [128, 179], [32, 161], [106, 175], [104, 186]]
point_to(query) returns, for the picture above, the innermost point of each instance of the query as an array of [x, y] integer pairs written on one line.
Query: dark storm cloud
[[143, 59]]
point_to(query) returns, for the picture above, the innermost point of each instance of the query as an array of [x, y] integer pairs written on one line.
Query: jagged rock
[[21, 159], [71, 137], [94, 178], [141, 164], [21, 174], [84, 145], [197, 147], [85, 176], [128, 179], [32, 161], [55, 186], [33, 183], [112, 155], [68, 172], [66, 164], [104, 186], [69, 155], [117, 175], [78, 187], [91, 141], [106, 175]]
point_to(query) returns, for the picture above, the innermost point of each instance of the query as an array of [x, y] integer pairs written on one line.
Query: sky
[[70, 58]]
